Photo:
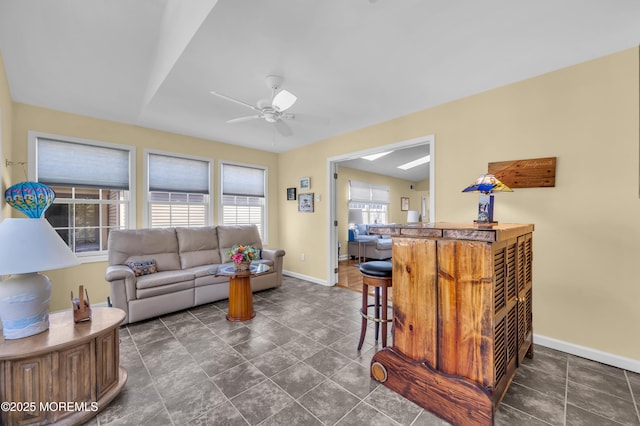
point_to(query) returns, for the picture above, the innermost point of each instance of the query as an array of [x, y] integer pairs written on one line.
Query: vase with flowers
[[242, 256]]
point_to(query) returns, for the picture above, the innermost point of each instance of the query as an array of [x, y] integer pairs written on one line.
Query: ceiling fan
[[271, 111]]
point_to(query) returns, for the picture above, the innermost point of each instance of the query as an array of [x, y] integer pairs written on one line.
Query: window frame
[[265, 213], [356, 187], [146, 211], [367, 210], [32, 139]]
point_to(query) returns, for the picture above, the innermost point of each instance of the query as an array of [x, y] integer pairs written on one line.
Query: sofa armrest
[[118, 272], [272, 254], [122, 282], [275, 255]]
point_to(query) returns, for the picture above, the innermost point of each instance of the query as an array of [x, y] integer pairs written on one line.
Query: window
[[92, 185], [177, 191], [244, 196], [372, 199]]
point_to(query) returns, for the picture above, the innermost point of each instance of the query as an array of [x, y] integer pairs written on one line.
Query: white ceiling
[[153, 63], [388, 165]]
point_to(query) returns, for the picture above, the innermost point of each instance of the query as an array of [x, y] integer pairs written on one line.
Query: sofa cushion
[[373, 239], [198, 246], [163, 278], [160, 244], [166, 290], [143, 267], [384, 244], [363, 229], [203, 270], [228, 236]]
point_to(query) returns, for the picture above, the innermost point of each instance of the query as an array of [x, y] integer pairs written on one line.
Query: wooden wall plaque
[[533, 173]]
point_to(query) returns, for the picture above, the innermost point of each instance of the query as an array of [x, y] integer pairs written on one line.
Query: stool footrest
[[373, 318]]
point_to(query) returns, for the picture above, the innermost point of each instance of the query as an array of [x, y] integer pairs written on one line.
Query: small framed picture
[[305, 202], [291, 194], [305, 183], [404, 204]]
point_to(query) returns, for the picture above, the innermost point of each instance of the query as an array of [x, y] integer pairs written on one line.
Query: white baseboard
[[306, 278], [589, 353]]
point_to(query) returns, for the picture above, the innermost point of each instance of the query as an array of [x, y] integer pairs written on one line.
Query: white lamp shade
[[355, 216], [32, 245], [413, 216]]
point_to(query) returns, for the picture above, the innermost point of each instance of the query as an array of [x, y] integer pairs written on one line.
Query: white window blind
[[242, 180], [177, 209], [380, 194], [362, 192], [81, 165], [178, 174], [244, 196]]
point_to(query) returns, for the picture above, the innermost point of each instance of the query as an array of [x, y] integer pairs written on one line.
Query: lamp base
[[485, 208], [24, 305]]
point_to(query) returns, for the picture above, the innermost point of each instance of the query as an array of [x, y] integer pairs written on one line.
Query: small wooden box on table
[[462, 316], [76, 363]]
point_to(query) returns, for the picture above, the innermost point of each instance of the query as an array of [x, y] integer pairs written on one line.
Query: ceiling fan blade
[[241, 119], [284, 100], [220, 95], [283, 128]]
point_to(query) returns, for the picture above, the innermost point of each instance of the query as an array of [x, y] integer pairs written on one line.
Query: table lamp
[[355, 217], [486, 185], [27, 246]]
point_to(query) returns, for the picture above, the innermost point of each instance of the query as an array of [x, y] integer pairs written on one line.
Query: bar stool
[[376, 274]]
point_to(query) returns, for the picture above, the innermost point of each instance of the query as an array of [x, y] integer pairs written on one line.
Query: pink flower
[[237, 257]]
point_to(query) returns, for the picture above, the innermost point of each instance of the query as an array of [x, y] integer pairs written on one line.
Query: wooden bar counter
[[462, 317]]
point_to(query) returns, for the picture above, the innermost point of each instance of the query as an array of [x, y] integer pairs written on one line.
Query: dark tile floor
[[296, 363]]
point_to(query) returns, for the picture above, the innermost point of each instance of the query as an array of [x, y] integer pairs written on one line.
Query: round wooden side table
[[240, 295]]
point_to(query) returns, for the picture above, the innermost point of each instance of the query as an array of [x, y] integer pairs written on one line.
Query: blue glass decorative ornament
[[31, 198]]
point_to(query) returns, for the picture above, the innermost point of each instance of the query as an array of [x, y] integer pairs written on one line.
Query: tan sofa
[[185, 258]]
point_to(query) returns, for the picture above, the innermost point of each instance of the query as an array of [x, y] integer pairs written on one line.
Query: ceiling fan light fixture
[[270, 117], [284, 100]]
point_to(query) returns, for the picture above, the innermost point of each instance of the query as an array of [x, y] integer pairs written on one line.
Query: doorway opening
[[418, 185]]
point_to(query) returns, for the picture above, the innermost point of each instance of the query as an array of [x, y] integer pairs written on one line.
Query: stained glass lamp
[[27, 246], [31, 198], [486, 185]]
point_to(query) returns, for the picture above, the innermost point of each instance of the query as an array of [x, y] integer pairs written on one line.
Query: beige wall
[[586, 241], [397, 188], [6, 120], [586, 244], [29, 118]]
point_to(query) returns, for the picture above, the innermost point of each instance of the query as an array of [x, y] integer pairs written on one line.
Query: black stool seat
[[376, 274], [376, 268]]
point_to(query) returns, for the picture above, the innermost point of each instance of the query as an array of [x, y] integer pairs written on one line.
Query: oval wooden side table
[[64, 375]]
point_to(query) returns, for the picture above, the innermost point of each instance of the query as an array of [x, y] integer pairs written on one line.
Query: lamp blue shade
[[487, 184], [31, 198]]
